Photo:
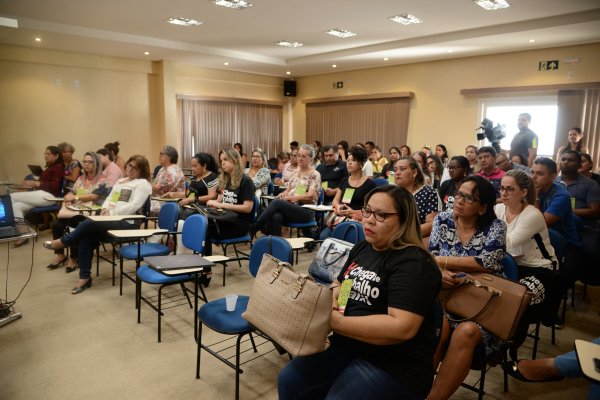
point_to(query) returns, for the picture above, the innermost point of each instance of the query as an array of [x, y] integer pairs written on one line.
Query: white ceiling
[[246, 38]]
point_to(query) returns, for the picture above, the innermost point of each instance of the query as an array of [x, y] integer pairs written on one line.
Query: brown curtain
[[590, 123], [211, 125], [382, 121]]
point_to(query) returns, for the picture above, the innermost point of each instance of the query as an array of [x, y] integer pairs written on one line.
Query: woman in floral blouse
[[170, 177]]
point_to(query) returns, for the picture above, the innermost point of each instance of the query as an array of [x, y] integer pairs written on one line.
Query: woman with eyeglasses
[[528, 242], [383, 336], [304, 187], [458, 169], [259, 171], [435, 170], [409, 175], [89, 190], [127, 197], [469, 238]]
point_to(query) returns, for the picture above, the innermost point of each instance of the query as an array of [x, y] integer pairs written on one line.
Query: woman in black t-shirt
[[383, 338], [458, 168]]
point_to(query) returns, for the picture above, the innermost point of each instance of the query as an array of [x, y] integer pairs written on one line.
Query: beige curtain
[[590, 123], [210, 125], [383, 121]]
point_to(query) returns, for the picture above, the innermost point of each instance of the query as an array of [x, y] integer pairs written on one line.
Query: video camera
[[494, 134]]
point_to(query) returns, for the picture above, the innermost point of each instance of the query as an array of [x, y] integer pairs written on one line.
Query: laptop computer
[[36, 170], [7, 218]]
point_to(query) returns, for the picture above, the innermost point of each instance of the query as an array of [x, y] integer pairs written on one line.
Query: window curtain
[[382, 121], [590, 123], [211, 125]]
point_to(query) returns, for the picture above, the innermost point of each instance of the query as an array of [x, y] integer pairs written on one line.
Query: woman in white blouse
[[259, 171], [527, 240]]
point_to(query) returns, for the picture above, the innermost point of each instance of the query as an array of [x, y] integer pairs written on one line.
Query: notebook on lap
[[7, 218], [36, 170]]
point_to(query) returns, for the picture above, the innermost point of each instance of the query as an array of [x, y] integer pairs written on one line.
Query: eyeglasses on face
[[132, 167], [507, 189], [87, 161], [469, 199], [380, 216]]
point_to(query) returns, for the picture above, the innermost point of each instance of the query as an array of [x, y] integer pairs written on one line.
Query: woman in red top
[[49, 185]]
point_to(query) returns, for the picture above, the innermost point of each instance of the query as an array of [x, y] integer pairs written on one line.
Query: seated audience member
[[442, 153], [342, 150], [435, 170], [528, 241], [293, 145], [289, 169], [468, 238], [378, 161], [458, 168], [551, 370], [239, 148], [318, 146], [72, 166], [585, 193], [368, 166], [574, 142], [333, 171], [259, 171], [471, 154], [421, 158], [236, 193], [554, 202], [488, 169], [202, 187], [587, 166], [383, 339], [170, 177], [405, 151], [49, 185], [518, 159], [350, 195], [110, 170], [127, 197], [410, 176], [304, 188], [426, 150], [114, 150], [388, 169], [90, 189], [506, 165]]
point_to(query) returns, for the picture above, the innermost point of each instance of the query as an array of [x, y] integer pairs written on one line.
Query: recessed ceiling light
[[287, 43], [225, 63], [450, 50], [385, 59], [183, 21], [234, 4], [531, 40], [406, 19], [334, 66], [340, 33], [491, 5], [38, 39], [146, 53], [288, 73]]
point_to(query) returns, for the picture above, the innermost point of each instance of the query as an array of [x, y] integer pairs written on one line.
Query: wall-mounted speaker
[[289, 88]]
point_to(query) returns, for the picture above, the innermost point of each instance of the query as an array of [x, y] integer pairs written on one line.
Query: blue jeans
[[89, 234], [568, 365], [335, 374]]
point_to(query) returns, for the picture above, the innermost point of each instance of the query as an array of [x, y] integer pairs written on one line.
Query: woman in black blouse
[[458, 168]]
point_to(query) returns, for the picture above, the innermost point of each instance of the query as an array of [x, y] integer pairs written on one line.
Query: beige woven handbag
[[290, 308]]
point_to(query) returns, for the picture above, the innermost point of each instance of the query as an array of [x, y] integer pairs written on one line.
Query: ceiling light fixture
[[491, 5], [287, 43], [288, 73], [334, 66], [385, 59], [450, 50], [531, 40], [38, 39], [406, 19], [340, 33], [225, 63], [233, 4], [183, 21], [10, 22], [146, 53]]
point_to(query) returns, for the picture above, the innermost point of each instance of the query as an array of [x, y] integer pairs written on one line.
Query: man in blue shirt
[[585, 193]]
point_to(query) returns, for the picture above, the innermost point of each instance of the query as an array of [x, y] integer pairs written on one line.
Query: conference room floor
[[90, 346]]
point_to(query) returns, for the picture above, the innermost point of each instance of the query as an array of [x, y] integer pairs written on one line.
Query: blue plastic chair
[[52, 209], [349, 231], [381, 181], [213, 314], [192, 236], [309, 224], [167, 219]]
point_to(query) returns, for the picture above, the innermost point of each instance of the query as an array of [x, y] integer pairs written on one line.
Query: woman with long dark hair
[[458, 168], [574, 142]]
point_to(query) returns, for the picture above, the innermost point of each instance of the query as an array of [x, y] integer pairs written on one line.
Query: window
[[505, 111]]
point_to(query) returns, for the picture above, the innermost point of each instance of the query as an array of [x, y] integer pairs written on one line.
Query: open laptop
[[7, 218], [36, 170]]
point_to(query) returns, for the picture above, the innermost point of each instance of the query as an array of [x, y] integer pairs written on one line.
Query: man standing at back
[[332, 171], [525, 142]]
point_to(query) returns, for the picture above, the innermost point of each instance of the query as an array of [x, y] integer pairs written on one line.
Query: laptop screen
[[6, 212]]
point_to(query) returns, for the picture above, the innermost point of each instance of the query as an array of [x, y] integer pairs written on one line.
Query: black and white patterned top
[[427, 202]]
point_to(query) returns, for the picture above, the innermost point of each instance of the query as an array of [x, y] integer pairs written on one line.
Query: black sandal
[[71, 269], [512, 369]]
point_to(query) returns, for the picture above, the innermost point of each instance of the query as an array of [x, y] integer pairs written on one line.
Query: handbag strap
[[493, 294], [341, 255], [538, 240]]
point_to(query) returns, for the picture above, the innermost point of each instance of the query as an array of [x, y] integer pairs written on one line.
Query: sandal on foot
[[512, 369]]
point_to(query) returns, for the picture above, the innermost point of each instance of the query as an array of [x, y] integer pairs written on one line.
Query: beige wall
[[133, 101], [439, 113]]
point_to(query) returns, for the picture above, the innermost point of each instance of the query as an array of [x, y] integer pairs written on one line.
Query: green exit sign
[[338, 85], [548, 65]]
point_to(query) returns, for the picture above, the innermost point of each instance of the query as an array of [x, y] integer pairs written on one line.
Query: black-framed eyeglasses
[[469, 199], [380, 216], [132, 167], [507, 189]]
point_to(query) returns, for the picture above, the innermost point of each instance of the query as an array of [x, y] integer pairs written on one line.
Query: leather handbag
[[290, 308], [330, 260], [495, 303]]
